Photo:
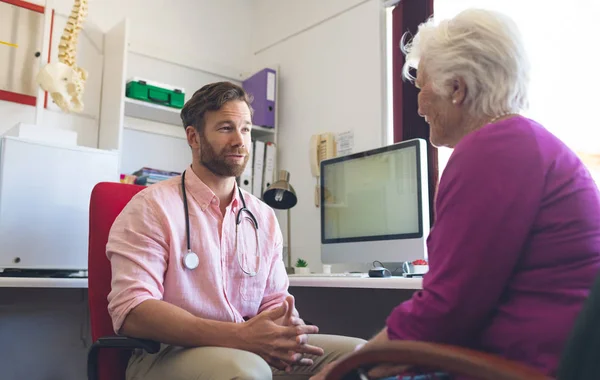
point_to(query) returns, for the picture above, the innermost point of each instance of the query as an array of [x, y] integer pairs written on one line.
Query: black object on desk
[[412, 275], [379, 272], [43, 273]]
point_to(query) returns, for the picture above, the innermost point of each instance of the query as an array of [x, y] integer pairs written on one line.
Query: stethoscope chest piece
[[191, 260]]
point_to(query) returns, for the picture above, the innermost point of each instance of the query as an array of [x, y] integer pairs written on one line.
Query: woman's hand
[[324, 371], [379, 371]]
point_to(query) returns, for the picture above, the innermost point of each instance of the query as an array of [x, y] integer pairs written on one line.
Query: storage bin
[[155, 93]]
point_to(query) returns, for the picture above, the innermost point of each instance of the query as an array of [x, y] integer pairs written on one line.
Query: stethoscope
[[191, 260]]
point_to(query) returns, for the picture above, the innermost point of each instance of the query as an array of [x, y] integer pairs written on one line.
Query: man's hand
[[280, 345], [290, 318]]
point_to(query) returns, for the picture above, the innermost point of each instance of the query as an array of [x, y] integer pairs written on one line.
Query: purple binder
[[262, 87]]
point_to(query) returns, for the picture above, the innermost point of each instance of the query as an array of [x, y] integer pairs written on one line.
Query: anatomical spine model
[[64, 80]]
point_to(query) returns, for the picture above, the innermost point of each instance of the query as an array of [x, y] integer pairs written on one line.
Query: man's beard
[[216, 162]]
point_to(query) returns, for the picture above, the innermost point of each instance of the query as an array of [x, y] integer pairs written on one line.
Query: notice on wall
[[345, 143]]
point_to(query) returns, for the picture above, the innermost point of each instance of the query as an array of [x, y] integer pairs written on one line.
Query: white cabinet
[[44, 202], [147, 134]]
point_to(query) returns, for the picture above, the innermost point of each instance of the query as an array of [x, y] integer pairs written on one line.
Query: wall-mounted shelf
[[145, 133], [154, 112], [260, 132], [141, 119], [151, 126]]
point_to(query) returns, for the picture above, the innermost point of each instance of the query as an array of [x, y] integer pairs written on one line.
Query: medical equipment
[[64, 80], [191, 259]]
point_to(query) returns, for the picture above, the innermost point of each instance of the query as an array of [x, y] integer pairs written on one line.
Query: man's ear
[[192, 136], [459, 91]]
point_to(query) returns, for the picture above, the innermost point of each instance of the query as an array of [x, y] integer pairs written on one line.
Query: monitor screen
[[373, 195]]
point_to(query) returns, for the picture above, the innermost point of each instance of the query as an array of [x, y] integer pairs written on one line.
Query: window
[[389, 76], [565, 58]]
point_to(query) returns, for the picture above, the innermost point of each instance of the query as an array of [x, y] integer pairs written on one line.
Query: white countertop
[[295, 280], [43, 282], [356, 282]]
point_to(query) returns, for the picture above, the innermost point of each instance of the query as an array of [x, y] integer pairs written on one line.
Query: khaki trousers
[[218, 363]]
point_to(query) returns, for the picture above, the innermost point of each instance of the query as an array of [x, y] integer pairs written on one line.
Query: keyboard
[[43, 273], [330, 275]]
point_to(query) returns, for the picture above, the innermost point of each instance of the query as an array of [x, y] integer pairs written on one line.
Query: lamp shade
[[281, 195]]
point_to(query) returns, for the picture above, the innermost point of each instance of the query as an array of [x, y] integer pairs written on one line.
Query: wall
[[212, 32], [331, 65]]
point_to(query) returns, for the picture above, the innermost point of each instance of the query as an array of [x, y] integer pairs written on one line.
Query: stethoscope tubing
[[191, 260]]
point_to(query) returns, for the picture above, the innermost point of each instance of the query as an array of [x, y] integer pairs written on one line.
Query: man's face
[[223, 145]]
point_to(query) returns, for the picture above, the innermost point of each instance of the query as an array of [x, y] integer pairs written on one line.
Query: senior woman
[[516, 243]]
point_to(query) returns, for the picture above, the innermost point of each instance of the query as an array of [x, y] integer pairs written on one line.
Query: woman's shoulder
[[515, 138], [516, 130], [511, 139]]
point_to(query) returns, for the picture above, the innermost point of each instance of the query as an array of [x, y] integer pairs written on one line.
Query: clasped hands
[[280, 337]]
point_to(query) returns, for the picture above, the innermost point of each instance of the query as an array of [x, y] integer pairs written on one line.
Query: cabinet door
[[21, 36]]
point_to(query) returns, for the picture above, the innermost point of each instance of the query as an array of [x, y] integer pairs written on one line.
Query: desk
[[44, 321], [47, 318], [356, 282], [350, 306], [42, 282]]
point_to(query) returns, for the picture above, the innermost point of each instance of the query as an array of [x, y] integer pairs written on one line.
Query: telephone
[[322, 147]]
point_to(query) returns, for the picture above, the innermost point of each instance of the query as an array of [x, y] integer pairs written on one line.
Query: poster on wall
[[345, 143], [21, 40]]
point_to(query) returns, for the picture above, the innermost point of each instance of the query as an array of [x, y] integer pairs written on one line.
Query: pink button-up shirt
[[148, 240]]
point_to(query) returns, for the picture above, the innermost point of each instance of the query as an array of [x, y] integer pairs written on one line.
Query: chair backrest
[[580, 357], [106, 202]]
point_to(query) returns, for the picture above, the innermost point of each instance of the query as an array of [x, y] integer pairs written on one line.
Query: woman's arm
[[488, 199]]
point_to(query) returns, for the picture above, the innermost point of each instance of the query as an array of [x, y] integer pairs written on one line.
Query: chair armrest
[[150, 346], [118, 342], [435, 358]]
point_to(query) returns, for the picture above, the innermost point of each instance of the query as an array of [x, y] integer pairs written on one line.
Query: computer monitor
[[375, 205]]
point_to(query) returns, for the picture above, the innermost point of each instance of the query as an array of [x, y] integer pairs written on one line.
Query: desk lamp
[[281, 195]]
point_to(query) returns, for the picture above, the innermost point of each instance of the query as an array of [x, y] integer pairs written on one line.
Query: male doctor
[[197, 265]]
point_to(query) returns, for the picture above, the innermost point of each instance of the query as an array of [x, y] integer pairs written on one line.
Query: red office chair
[[108, 356]]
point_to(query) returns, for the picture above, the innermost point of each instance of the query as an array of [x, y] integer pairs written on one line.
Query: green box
[[142, 90]]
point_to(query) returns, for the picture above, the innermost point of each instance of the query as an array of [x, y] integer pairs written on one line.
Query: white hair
[[483, 47]]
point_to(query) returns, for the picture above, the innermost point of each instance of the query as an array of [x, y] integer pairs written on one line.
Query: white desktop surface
[[356, 282], [295, 280], [42, 282]]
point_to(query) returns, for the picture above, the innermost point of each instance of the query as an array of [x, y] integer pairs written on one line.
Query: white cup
[[326, 268]]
